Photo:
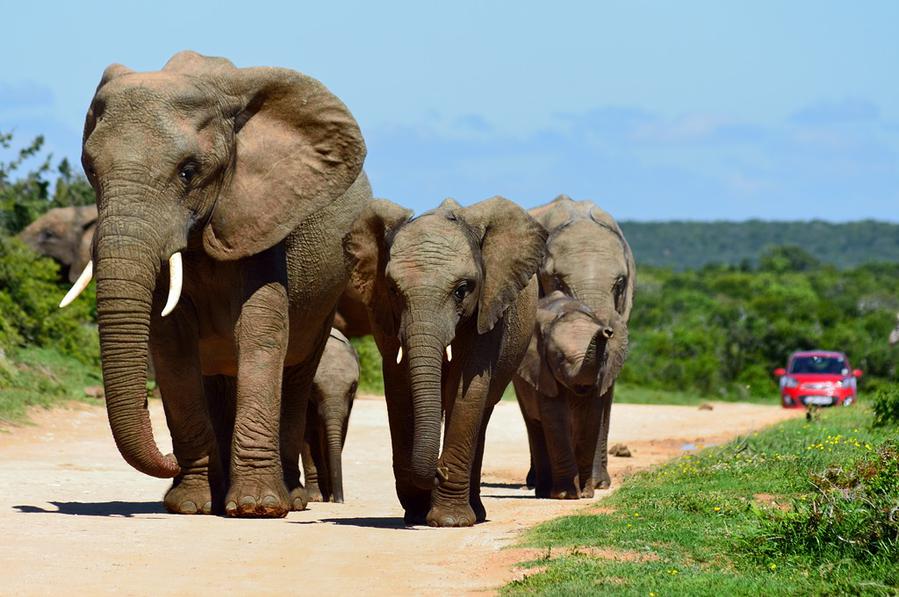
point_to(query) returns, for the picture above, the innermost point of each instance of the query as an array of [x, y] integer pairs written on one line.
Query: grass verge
[[41, 377], [800, 508]]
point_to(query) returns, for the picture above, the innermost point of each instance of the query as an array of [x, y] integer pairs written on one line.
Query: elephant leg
[[221, 402], [601, 478], [451, 501], [474, 484], [524, 392], [415, 501], [198, 489], [556, 418], [585, 422], [257, 474], [299, 434]]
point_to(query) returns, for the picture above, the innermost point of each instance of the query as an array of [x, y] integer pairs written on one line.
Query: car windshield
[[819, 364]]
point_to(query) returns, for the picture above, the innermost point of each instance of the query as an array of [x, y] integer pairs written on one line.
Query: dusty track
[[75, 519]]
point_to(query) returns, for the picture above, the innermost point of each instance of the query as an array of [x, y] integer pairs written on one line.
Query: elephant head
[[588, 258], [64, 234], [204, 157], [334, 390], [571, 347], [426, 280]]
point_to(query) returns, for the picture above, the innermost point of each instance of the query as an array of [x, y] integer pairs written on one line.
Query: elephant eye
[[187, 172], [462, 290], [618, 291]]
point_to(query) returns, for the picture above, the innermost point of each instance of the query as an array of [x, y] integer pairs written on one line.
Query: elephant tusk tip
[[449, 353], [176, 280], [78, 287], [399, 355]]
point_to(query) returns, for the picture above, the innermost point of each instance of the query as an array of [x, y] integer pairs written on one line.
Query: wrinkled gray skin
[[556, 389], [65, 235], [459, 277], [330, 404], [894, 335], [254, 175], [588, 258]]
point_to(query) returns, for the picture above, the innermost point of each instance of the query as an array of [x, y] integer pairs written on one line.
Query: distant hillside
[[689, 245]]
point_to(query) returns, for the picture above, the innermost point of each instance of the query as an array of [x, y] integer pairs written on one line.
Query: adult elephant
[[65, 235], [236, 185], [588, 258], [452, 296]]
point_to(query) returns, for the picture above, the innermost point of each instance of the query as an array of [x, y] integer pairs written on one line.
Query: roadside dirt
[[75, 519]]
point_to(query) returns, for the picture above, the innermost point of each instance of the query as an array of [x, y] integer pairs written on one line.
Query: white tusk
[[399, 355], [80, 284], [449, 353], [176, 278]]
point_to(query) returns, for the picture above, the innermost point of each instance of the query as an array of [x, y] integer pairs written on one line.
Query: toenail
[[188, 507]]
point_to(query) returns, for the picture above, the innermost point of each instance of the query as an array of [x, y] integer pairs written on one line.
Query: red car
[[817, 378]]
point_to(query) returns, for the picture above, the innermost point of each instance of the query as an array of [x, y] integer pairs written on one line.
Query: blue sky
[[655, 110]]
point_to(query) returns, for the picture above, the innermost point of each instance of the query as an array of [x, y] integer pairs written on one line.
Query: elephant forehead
[[585, 244], [430, 246]]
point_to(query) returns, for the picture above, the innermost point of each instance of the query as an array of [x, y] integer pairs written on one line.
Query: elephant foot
[[587, 492], [413, 518], [531, 479], [601, 479], [314, 492], [480, 512], [452, 515], [566, 490], [299, 497], [189, 495], [257, 498]]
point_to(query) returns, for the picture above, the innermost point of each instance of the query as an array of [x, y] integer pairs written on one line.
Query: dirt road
[[75, 519]]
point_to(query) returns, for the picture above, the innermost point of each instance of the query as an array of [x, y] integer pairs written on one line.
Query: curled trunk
[[126, 277], [425, 351]]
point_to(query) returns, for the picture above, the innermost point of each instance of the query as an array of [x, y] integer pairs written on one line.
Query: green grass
[[801, 508], [41, 377]]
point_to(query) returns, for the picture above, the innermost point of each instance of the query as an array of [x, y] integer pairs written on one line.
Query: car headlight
[[788, 382]]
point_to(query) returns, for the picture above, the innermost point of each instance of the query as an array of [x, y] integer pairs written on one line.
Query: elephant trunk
[[334, 441], [425, 350], [126, 277]]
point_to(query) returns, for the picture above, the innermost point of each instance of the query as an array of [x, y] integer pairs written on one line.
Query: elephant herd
[[235, 225]]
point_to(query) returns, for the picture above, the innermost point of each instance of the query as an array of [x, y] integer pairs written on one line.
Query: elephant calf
[[555, 385], [333, 391], [452, 295]]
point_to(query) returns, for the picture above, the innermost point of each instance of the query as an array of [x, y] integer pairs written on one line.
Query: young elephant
[[452, 296], [588, 258], [223, 195], [333, 392], [570, 353]]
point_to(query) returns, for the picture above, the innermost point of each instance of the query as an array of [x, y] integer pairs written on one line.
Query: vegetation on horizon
[[683, 245]]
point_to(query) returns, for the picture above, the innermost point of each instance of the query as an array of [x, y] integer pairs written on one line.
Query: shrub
[[371, 377], [886, 406], [853, 513]]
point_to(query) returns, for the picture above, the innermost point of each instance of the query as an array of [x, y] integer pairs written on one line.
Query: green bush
[[886, 406], [29, 312], [853, 513], [371, 378]]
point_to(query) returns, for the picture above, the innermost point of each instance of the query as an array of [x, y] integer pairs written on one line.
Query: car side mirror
[[856, 372], [780, 372]]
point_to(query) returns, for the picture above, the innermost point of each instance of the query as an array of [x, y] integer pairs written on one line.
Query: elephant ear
[[297, 148], [512, 248], [534, 368], [366, 249]]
